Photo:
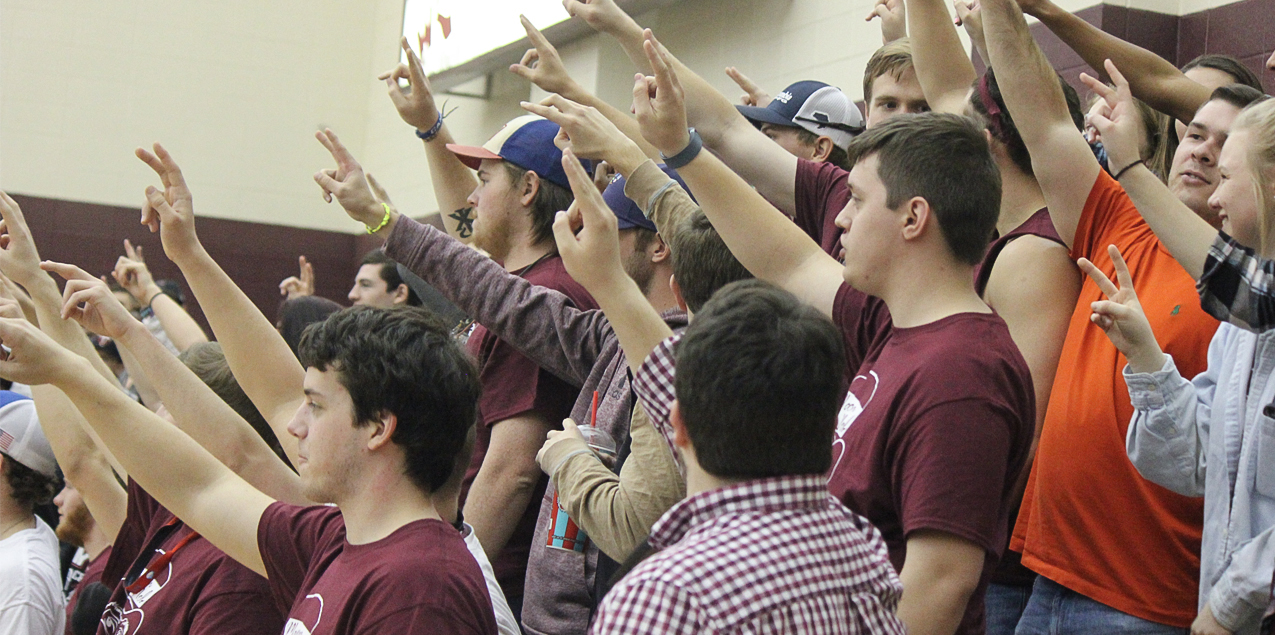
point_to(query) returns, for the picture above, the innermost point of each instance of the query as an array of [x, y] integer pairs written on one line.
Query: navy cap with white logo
[[814, 106]]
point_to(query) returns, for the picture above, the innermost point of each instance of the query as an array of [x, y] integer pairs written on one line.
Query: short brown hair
[[893, 59], [944, 159], [208, 362], [550, 199], [702, 263]]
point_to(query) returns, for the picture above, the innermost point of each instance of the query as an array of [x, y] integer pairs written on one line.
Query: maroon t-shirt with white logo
[[419, 579], [514, 385], [934, 430], [200, 591]]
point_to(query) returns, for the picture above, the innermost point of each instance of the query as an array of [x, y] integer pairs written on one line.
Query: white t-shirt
[[505, 622], [31, 599]]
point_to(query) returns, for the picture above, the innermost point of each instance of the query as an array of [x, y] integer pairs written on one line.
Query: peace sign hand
[[1121, 317]]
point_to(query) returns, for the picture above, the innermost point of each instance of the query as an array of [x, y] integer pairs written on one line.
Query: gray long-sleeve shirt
[[1211, 437]]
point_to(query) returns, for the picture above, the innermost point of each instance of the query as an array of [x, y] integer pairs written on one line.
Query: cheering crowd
[[985, 358]]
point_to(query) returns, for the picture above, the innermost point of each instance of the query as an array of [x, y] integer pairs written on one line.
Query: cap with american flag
[[21, 438]]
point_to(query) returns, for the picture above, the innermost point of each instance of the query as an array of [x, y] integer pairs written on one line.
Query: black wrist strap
[[1127, 168], [687, 154]]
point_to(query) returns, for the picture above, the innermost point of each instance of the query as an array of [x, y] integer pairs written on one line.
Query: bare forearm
[[83, 463], [1151, 78], [453, 182], [200, 413], [943, 69], [141, 383], [1028, 82], [1183, 232], [496, 504], [258, 356], [182, 329]]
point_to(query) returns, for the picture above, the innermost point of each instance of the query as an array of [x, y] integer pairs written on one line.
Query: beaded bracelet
[[385, 220]]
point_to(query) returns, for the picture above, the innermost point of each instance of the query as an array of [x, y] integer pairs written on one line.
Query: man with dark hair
[[31, 600], [928, 453], [759, 385], [390, 399], [377, 284]]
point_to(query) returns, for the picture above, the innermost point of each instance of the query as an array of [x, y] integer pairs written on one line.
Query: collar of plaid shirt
[[803, 491]]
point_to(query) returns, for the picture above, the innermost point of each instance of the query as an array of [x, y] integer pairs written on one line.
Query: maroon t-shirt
[[200, 590], [419, 579], [820, 193], [514, 385], [82, 573], [937, 424]]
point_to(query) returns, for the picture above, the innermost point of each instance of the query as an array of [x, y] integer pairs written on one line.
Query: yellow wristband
[[385, 220]]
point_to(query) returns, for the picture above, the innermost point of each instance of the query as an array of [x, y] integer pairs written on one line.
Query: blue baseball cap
[[526, 142], [814, 106], [626, 211]]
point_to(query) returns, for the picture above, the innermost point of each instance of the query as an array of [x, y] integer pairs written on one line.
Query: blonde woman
[[1214, 435]]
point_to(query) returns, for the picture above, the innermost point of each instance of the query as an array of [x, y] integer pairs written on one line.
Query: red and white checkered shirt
[[776, 555], [653, 386]]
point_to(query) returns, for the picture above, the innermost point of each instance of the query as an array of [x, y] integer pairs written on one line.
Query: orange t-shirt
[[1089, 521]]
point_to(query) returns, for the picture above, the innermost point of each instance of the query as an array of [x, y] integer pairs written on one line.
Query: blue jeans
[[1055, 610], [1005, 605]]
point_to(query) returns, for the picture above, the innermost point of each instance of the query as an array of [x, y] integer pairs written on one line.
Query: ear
[[680, 437], [823, 149], [658, 250], [382, 430], [917, 216], [528, 188], [401, 294], [677, 293]]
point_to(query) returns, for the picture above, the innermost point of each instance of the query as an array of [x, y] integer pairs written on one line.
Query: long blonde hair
[[1258, 119]]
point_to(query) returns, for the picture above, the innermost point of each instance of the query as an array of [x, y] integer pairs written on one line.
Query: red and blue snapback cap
[[526, 142]]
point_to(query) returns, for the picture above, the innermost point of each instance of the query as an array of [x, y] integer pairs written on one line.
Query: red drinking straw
[[593, 419]]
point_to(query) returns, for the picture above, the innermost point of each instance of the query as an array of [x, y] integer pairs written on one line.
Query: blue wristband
[[687, 154], [429, 135]]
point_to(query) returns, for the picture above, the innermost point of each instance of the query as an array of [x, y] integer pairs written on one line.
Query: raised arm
[[768, 244], [1061, 159], [83, 464], [258, 356], [768, 167], [543, 67], [133, 274], [517, 311], [183, 477], [588, 239], [195, 408], [453, 182], [301, 284], [942, 67], [1187, 236], [1154, 79]]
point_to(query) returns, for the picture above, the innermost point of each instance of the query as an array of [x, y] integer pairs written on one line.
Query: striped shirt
[[774, 555]]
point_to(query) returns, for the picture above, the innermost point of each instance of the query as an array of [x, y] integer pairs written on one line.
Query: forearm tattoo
[[464, 221]]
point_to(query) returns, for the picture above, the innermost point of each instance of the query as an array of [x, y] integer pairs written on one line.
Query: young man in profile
[[390, 399], [929, 453]]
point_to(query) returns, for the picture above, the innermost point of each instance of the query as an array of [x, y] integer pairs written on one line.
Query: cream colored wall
[[235, 89]]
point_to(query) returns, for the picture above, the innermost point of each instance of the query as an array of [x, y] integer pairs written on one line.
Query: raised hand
[[33, 358], [172, 211], [349, 184], [415, 103], [89, 301], [301, 284], [542, 65], [19, 260], [587, 132], [969, 15], [659, 102], [132, 274], [894, 20], [1120, 316], [1117, 119], [604, 16], [753, 95], [591, 255]]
